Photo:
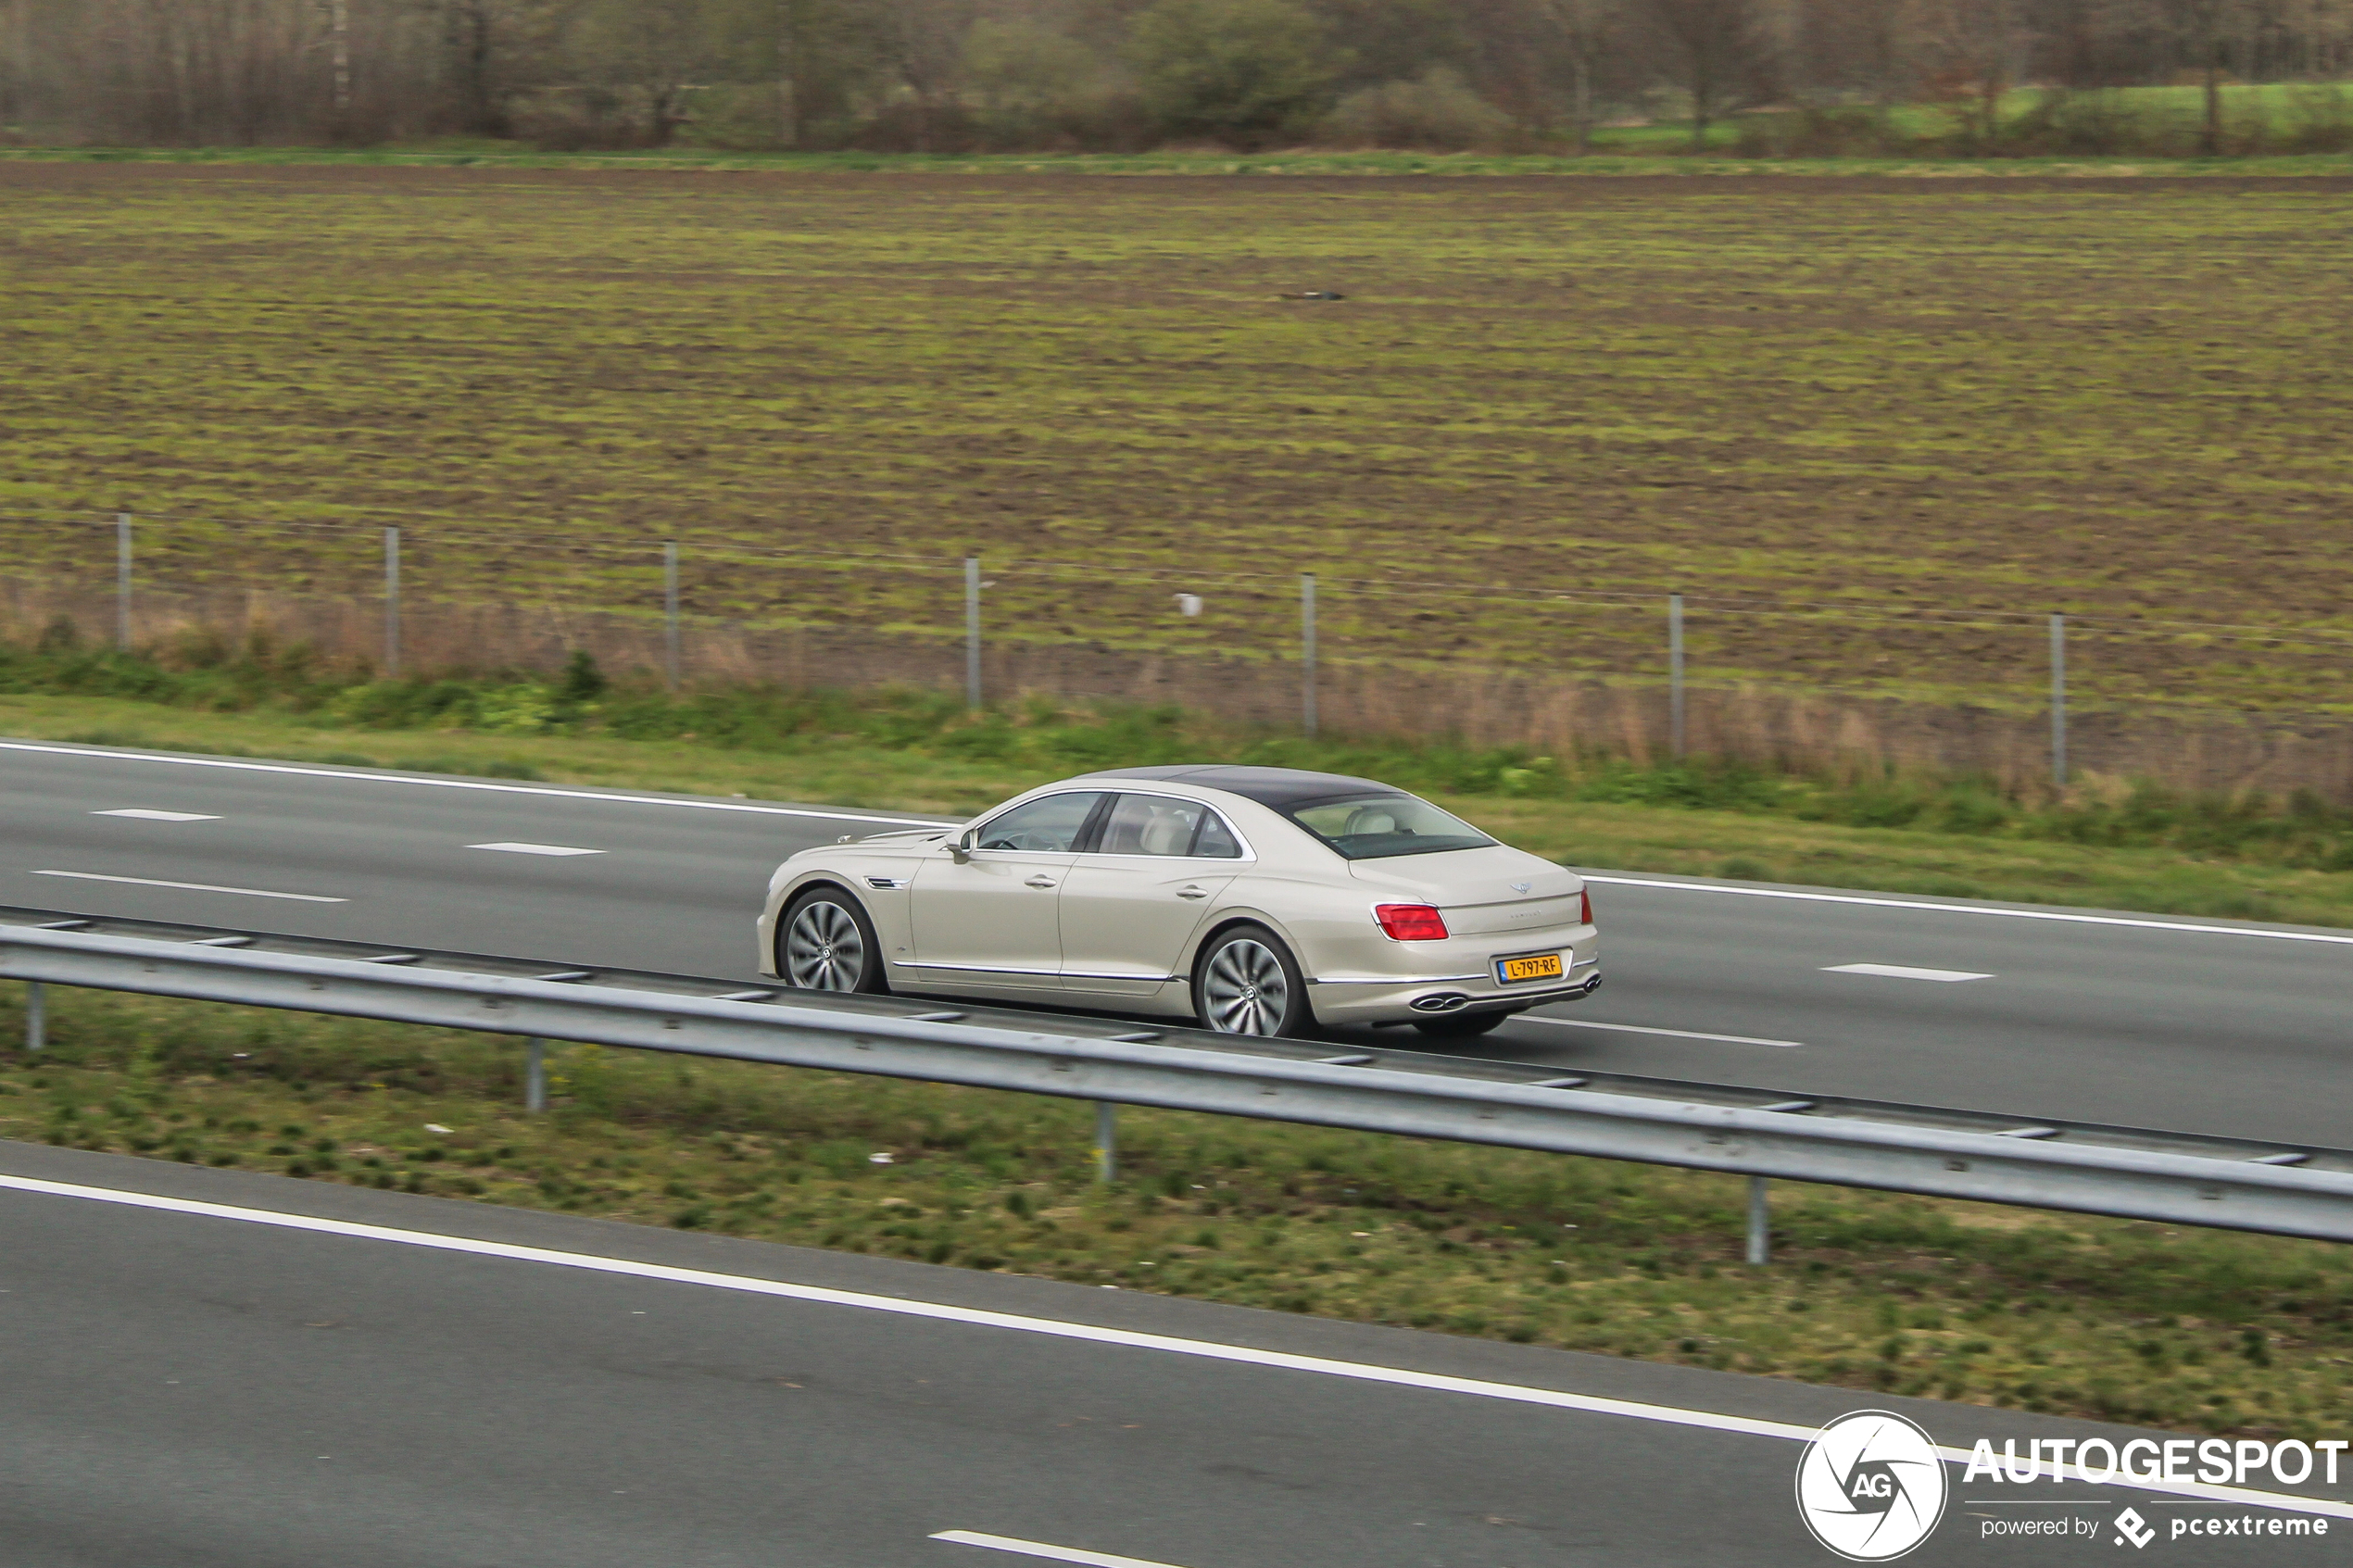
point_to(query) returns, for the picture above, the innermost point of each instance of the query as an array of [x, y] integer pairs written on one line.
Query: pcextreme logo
[[1870, 1487]]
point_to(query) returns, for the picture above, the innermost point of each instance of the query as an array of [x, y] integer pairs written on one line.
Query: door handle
[[1039, 881], [1192, 892]]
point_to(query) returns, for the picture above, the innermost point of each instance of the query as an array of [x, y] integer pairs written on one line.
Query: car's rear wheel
[[1460, 1026], [1247, 983], [825, 943]]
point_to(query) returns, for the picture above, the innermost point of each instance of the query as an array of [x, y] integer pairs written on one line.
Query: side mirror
[[963, 848]]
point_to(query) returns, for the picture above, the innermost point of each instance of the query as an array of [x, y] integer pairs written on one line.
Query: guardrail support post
[[36, 1016], [1760, 1223], [972, 631], [1106, 1141], [535, 1075]]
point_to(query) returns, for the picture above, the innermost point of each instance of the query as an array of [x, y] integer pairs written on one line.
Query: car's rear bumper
[[1404, 998]]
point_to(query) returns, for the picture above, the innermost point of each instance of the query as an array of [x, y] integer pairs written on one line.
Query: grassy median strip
[[2178, 1328]]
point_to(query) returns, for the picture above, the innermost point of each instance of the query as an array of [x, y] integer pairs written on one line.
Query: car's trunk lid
[[1483, 892]]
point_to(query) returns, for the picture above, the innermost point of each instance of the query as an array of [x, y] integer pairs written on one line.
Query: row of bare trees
[[955, 74]]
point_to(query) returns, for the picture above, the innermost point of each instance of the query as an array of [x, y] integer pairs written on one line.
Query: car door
[[1133, 901], [992, 921]]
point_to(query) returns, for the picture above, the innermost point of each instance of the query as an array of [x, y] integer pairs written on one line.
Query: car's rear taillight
[[1584, 905], [1411, 922]]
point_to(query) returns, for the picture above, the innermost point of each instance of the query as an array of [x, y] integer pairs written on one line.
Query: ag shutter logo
[[1870, 1487]]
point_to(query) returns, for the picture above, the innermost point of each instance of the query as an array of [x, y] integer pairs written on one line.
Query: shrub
[[1242, 72], [1439, 111]]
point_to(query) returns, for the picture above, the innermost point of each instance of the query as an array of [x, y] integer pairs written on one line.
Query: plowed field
[[1875, 429]]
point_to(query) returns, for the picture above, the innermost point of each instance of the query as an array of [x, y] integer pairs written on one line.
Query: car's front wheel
[[1247, 983], [825, 943]]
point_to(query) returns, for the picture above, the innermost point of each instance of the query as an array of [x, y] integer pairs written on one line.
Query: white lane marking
[[1902, 971], [473, 784], [1206, 1350], [535, 848], [193, 887], [1039, 1549], [2068, 917], [145, 815], [1645, 1029]]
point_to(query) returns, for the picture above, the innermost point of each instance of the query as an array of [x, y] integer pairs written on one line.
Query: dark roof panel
[[1279, 787]]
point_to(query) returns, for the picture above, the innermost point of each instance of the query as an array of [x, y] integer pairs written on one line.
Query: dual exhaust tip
[[1452, 1001]]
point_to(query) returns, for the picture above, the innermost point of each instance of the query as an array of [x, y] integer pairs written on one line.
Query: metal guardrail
[[2171, 1177]]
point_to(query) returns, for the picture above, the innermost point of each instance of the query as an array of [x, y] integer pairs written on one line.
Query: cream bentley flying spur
[[1257, 900]]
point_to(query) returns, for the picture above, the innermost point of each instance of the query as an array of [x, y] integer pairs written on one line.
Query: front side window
[[1158, 824], [1044, 826], [1371, 827]]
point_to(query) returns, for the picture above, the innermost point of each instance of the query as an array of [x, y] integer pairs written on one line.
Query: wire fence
[[1277, 643]]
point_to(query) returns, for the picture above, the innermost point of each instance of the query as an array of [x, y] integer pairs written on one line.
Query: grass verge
[[2190, 1330]]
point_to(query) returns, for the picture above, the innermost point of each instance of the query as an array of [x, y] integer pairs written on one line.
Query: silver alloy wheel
[[824, 948], [1244, 990]]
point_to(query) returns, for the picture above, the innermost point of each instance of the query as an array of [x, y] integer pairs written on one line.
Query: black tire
[[1461, 1025], [1245, 981], [816, 935]]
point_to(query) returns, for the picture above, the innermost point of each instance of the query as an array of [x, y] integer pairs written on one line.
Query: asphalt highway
[[2227, 1028], [283, 1374]]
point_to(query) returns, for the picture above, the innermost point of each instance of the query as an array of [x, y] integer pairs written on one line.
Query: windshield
[[1369, 827]]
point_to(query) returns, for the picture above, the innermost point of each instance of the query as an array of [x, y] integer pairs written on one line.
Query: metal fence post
[[392, 603], [1760, 1223], [2058, 700], [972, 631], [1675, 673], [670, 615], [535, 1075], [122, 580], [36, 1016], [1307, 651], [1106, 1141]]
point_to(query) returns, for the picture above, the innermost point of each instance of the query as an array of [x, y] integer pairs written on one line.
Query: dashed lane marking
[[1646, 1029], [1902, 971], [535, 848], [1050, 1553]]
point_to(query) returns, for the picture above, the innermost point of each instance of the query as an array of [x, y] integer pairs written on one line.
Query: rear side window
[[1372, 827], [1216, 841], [1160, 824]]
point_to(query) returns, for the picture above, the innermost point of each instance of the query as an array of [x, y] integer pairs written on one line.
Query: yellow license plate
[[1510, 971]]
